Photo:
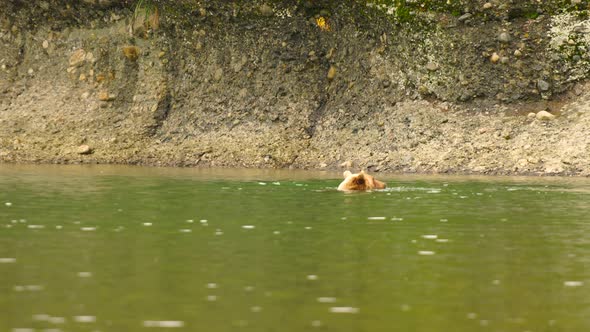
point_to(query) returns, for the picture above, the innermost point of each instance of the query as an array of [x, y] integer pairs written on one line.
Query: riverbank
[[268, 86]]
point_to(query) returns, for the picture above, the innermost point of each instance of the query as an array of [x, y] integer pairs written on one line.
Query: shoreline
[[245, 87]]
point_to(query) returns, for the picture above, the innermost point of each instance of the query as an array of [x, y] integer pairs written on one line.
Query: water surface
[[142, 249]]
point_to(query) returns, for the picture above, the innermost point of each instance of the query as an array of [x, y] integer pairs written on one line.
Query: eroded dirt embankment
[[265, 85]]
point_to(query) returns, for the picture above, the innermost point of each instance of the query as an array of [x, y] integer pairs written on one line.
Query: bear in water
[[360, 181]]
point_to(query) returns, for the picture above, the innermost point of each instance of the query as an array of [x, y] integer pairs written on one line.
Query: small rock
[[544, 116], [105, 96], [543, 85], [331, 73], [518, 53], [31, 71], [432, 66], [531, 115], [465, 17], [218, 75], [45, 44], [346, 164], [504, 37], [84, 149], [323, 165], [266, 10], [131, 52], [77, 58], [487, 5], [495, 58]]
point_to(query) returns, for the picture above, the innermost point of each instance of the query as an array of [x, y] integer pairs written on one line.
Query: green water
[[148, 249]]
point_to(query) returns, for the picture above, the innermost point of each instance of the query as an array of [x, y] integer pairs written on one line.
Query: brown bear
[[360, 181]]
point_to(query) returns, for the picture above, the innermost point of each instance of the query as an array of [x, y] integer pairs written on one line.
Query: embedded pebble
[[442, 240], [256, 309], [376, 218], [8, 204], [344, 310], [163, 323], [190, 221], [84, 274], [544, 116], [573, 283], [185, 230], [147, 223], [495, 58], [543, 85], [248, 226], [211, 298], [212, 285], [397, 219], [84, 149], [88, 229], [504, 37], [430, 236], [312, 277]]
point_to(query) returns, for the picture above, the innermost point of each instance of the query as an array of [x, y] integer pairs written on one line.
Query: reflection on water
[[130, 249]]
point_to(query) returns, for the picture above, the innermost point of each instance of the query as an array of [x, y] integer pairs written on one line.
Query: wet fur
[[360, 182]]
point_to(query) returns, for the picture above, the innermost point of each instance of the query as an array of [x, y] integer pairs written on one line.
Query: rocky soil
[[296, 85]]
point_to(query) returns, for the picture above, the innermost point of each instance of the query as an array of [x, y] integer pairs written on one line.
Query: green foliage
[[145, 8], [408, 10]]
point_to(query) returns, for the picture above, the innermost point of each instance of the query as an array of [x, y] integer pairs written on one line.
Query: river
[[113, 248]]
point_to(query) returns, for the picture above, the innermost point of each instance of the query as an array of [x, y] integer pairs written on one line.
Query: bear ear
[[346, 174]]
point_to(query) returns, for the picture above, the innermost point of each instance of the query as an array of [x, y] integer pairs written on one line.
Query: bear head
[[360, 181]]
